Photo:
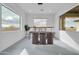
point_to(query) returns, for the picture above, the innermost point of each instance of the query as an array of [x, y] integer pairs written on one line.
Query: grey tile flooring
[[31, 49]]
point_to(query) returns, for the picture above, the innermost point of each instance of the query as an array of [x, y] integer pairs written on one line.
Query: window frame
[[38, 19], [20, 18], [62, 21]]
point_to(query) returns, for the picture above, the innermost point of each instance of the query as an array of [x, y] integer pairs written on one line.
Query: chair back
[[42, 38], [49, 38], [35, 38]]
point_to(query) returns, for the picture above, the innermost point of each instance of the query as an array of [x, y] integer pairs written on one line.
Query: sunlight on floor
[[68, 40], [24, 52]]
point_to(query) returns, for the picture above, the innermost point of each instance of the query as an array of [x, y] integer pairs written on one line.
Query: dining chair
[[50, 38], [42, 38], [35, 38]]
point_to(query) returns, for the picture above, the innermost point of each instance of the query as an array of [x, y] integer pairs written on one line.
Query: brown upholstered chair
[[35, 38], [50, 38], [42, 38]]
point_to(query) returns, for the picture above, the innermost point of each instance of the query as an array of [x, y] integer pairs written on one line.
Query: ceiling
[[46, 8], [74, 10]]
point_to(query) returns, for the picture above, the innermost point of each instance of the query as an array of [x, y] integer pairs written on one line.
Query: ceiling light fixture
[[40, 3]]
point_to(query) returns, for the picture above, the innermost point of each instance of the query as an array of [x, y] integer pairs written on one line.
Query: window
[[10, 20], [72, 23], [69, 23], [40, 22]]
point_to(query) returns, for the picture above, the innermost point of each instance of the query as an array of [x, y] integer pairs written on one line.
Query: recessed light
[[50, 10], [30, 11], [41, 9]]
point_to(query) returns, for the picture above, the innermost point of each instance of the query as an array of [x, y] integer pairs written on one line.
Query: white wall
[[11, 37], [50, 18]]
